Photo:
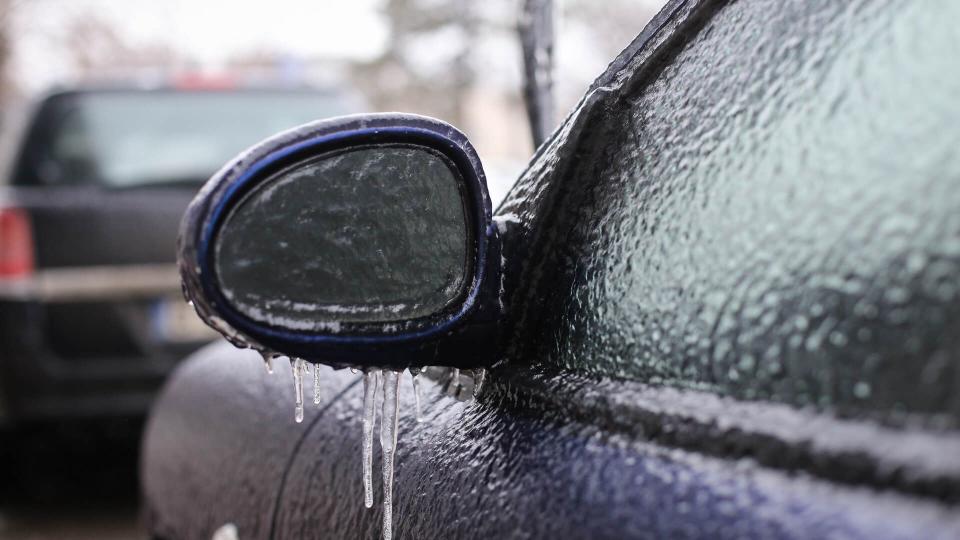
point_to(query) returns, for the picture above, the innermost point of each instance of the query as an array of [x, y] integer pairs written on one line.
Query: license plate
[[175, 321]]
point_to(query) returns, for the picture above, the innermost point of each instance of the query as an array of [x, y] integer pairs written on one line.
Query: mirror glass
[[361, 235]]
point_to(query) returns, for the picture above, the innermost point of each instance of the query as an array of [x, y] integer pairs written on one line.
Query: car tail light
[[16, 244]]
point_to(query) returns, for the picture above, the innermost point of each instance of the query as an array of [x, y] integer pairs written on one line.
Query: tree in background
[[97, 51], [426, 64], [85, 46], [434, 55], [460, 60], [8, 88]]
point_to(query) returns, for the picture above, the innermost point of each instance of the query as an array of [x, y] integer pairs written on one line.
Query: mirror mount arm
[[479, 342]]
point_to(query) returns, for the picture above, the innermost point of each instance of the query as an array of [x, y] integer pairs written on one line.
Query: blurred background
[[113, 113], [456, 60]]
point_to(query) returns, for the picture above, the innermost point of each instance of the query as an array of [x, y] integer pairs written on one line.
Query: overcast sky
[[207, 30], [211, 31]]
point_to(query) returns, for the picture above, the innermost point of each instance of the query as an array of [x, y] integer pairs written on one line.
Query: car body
[[91, 315], [731, 312]]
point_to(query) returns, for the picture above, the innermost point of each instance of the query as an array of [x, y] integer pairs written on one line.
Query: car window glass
[[773, 215], [125, 139]]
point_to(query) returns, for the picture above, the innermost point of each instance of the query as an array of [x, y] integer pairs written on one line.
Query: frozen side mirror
[[362, 241]]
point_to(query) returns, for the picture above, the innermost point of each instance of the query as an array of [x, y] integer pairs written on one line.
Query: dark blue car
[[723, 301]]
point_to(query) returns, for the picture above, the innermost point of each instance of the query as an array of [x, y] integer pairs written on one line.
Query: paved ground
[[104, 523], [70, 482]]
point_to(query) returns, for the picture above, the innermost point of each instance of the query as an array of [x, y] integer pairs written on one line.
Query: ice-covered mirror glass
[[362, 235]]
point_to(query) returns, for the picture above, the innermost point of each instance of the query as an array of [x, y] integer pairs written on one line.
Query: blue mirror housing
[[360, 241]]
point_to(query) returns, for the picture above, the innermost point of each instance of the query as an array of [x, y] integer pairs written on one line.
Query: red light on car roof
[[198, 81], [16, 244]]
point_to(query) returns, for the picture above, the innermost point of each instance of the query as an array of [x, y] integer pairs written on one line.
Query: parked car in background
[[91, 315]]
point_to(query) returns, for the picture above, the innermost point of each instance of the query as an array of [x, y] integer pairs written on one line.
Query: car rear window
[[129, 139]]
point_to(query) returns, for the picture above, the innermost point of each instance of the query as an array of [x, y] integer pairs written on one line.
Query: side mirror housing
[[362, 241]]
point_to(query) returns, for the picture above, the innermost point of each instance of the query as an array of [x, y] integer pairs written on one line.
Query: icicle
[[299, 367], [455, 380], [479, 376], [415, 375], [371, 379], [267, 357], [316, 384], [388, 444]]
